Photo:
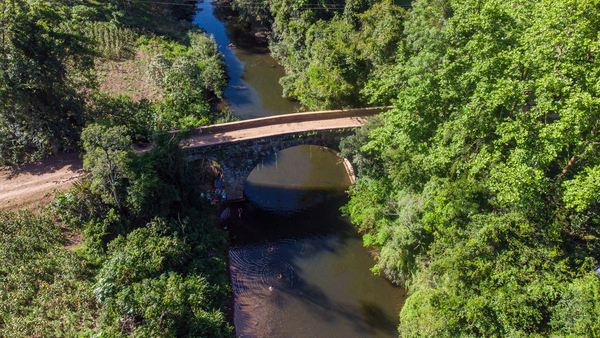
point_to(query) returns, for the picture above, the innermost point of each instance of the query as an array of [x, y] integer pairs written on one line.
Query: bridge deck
[[246, 130]]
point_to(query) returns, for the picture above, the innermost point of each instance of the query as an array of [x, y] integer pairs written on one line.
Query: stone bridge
[[238, 147]]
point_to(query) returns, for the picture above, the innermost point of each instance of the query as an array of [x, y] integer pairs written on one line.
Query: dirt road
[[33, 184]]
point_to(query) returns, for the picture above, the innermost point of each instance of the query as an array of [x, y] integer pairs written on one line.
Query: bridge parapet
[[288, 118]]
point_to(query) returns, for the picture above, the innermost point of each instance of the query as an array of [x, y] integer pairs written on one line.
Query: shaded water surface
[[254, 89], [298, 268]]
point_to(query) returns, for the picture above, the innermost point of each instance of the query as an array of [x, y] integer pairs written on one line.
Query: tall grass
[[112, 42], [45, 289], [109, 41]]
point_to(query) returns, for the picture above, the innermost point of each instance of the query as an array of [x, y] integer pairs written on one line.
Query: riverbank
[[149, 261]]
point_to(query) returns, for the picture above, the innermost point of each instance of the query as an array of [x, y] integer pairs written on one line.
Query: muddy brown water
[[298, 267], [254, 89]]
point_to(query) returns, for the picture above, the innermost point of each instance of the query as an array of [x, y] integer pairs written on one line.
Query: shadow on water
[[271, 258], [298, 268], [367, 319]]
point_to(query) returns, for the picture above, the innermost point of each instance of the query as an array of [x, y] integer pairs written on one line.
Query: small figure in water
[[271, 249], [280, 276], [270, 288], [240, 212]]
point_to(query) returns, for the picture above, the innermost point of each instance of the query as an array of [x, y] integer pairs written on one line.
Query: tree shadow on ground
[[71, 162]]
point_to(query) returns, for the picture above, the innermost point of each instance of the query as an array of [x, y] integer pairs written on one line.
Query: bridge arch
[[238, 158]]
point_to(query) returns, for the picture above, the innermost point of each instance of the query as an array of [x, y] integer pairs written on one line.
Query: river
[[254, 89], [298, 267]]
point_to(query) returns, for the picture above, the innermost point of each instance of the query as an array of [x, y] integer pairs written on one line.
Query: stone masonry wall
[[239, 158]]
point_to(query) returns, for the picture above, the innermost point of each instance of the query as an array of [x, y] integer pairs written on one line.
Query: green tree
[[189, 80], [481, 191], [43, 76], [149, 286], [160, 258], [107, 156], [329, 49]]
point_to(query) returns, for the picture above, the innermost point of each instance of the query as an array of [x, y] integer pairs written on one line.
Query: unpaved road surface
[[33, 184], [275, 129]]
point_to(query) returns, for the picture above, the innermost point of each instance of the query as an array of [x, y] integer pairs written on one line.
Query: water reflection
[[298, 268], [254, 89]]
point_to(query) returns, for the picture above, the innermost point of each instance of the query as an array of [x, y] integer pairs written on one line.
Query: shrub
[[45, 289]]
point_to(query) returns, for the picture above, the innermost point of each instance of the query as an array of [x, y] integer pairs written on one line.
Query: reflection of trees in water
[[238, 32], [366, 318], [264, 221], [273, 246], [275, 268], [301, 168], [282, 228], [223, 12]]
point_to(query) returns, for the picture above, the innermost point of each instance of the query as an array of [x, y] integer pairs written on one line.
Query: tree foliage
[[329, 49], [43, 72], [161, 261], [145, 259], [48, 89], [107, 155], [189, 80], [150, 285], [481, 186]]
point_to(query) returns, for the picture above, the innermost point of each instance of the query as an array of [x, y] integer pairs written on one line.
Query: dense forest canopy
[[480, 188], [330, 50]]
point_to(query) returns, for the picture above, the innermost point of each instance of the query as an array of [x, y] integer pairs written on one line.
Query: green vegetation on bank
[[480, 189], [188, 84], [331, 50], [151, 263], [130, 250], [49, 80]]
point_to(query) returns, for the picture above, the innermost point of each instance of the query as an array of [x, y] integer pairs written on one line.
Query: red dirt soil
[[30, 185]]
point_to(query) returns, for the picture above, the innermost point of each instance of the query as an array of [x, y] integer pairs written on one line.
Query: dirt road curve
[[30, 185]]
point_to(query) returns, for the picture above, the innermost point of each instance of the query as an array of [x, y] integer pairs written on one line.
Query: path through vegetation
[[33, 184]]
